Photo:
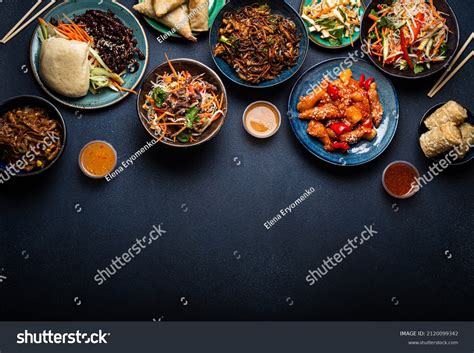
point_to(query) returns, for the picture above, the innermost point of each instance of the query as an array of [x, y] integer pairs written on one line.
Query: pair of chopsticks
[[443, 79], [20, 26]]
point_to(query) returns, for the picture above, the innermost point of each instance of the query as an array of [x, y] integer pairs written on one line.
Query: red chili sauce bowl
[[400, 179]]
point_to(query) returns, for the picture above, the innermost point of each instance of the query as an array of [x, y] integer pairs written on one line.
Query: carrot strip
[[377, 41], [222, 101], [123, 89], [171, 66], [373, 27], [373, 17], [217, 116]]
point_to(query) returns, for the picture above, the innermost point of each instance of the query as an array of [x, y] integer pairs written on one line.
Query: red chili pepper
[[418, 22], [340, 128], [361, 80], [340, 146], [405, 49], [368, 83], [333, 92], [368, 124], [191, 89]]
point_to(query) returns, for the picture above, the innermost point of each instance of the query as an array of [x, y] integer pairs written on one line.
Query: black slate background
[[218, 255]]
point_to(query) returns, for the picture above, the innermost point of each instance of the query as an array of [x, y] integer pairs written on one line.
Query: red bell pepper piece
[[403, 43], [340, 146], [361, 80], [340, 128], [418, 22], [368, 83], [368, 124], [333, 92]]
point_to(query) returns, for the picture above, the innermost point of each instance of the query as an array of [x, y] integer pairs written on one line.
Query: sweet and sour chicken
[[342, 112]]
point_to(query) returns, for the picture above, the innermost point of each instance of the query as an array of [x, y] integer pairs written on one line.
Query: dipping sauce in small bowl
[[97, 159], [262, 119], [399, 179]]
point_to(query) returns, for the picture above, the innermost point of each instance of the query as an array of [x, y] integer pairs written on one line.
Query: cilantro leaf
[[418, 69]]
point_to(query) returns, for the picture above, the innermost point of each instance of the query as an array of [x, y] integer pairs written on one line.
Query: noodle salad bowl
[[182, 103], [406, 44]]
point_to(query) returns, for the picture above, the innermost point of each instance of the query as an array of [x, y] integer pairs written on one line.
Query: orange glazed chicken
[[342, 112]]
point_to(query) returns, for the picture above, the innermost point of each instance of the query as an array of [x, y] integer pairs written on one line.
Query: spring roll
[[451, 112], [199, 15], [440, 139], [467, 134]]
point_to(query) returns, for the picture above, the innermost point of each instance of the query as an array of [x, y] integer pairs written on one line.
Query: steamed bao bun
[[64, 66]]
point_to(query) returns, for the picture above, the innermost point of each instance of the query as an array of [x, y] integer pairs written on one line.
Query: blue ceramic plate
[[105, 97], [364, 151], [279, 7]]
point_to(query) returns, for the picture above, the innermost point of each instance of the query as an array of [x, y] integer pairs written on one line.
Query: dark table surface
[[217, 257]]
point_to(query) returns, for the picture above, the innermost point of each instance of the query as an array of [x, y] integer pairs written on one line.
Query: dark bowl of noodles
[[32, 136], [269, 48]]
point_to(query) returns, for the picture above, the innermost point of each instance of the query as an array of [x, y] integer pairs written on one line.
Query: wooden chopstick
[[21, 21], [456, 58], [441, 85], [29, 21]]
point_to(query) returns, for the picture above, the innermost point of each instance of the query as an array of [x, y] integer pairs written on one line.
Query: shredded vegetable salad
[[408, 34], [182, 106], [333, 19]]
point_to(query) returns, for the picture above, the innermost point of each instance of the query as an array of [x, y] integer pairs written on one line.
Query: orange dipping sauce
[[97, 159], [261, 119], [399, 179]]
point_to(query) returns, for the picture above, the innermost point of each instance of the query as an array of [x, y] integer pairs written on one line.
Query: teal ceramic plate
[[316, 37], [104, 97], [214, 8]]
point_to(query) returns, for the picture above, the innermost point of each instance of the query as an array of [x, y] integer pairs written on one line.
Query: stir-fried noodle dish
[[258, 44]]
